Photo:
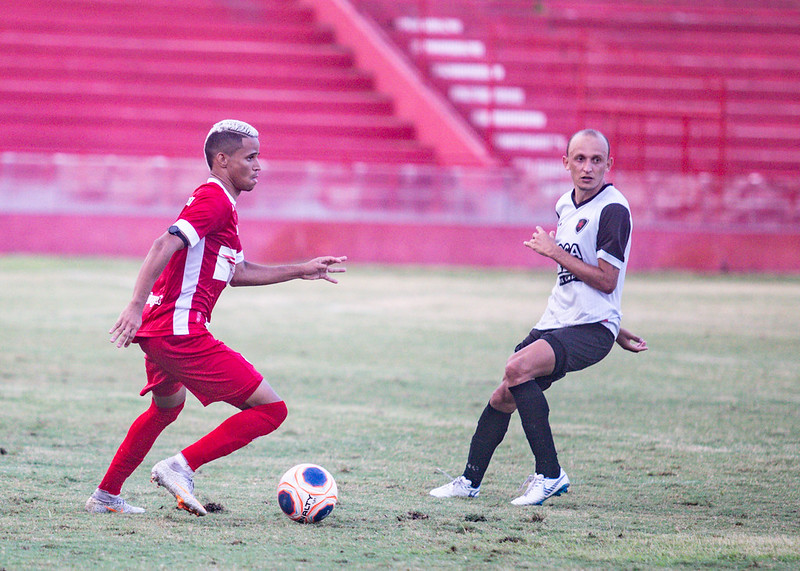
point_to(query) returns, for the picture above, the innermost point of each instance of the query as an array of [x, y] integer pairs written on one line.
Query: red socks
[[236, 432], [137, 443]]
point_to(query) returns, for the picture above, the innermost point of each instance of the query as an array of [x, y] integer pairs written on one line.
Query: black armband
[[175, 231]]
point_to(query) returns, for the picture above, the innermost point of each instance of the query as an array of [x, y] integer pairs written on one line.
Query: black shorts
[[575, 347]]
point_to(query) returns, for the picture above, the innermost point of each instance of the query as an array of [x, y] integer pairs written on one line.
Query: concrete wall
[[269, 241]]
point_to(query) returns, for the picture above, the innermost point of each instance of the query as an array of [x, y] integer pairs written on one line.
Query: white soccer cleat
[[538, 489], [101, 502], [458, 488], [177, 480]]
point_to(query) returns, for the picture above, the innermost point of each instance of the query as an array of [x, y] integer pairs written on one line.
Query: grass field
[[685, 456]]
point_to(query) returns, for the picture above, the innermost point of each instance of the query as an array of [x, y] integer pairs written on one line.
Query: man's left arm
[[250, 274], [630, 341]]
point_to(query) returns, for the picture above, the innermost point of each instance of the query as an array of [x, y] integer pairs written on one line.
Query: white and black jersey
[[600, 228]]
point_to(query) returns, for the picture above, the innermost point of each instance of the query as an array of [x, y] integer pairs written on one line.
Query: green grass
[[686, 456]]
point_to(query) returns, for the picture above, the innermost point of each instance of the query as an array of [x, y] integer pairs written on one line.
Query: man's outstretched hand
[[321, 268]]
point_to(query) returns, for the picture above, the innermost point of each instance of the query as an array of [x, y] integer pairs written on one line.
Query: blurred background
[[404, 131]]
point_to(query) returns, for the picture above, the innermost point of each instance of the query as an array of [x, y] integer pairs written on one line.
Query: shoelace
[[529, 481], [449, 477]]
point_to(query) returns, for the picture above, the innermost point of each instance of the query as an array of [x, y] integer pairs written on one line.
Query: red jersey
[[187, 290]]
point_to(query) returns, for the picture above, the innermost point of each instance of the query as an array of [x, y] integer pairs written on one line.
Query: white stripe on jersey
[[226, 264], [188, 231], [191, 276]]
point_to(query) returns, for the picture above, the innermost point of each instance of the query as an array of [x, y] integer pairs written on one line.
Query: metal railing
[[159, 186]]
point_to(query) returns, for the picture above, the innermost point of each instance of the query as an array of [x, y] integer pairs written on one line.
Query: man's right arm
[[602, 277], [130, 320]]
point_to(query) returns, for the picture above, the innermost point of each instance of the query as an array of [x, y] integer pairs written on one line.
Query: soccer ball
[[307, 493]]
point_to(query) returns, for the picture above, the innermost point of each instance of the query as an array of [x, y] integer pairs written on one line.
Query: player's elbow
[[239, 278], [608, 288], [606, 281], [605, 284]]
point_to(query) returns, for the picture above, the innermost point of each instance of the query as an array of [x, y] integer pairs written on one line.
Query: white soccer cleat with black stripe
[[458, 488], [538, 489]]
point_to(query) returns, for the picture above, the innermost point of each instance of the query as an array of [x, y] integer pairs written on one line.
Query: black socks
[[493, 424], [489, 433], [534, 414]]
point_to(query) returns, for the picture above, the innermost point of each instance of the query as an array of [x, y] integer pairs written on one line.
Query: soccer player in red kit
[[178, 285]]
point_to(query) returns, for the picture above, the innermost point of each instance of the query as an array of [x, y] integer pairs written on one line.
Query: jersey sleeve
[[613, 234], [206, 213]]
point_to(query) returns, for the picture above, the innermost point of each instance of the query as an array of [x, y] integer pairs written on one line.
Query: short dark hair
[[593, 132], [226, 137], [226, 142]]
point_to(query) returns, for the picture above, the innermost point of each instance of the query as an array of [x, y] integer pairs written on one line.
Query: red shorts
[[208, 368]]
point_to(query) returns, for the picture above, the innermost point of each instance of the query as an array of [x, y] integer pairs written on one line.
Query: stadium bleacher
[[699, 99], [129, 71], [680, 86]]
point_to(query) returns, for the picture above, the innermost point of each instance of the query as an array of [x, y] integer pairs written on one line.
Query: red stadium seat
[[696, 86], [149, 77]]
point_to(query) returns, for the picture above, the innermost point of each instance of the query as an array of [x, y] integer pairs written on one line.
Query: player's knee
[[168, 415], [502, 400], [515, 373], [273, 413], [281, 411], [502, 404]]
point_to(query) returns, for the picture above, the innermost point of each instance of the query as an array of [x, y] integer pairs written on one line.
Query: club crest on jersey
[[581, 225]]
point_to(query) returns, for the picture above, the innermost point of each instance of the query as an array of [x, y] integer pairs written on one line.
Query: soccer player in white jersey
[[177, 287], [582, 319]]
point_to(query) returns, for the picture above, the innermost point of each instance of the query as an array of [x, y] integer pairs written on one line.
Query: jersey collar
[[599, 192], [222, 186]]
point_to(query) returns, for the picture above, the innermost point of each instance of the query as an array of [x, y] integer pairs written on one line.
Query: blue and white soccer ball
[[307, 493]]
